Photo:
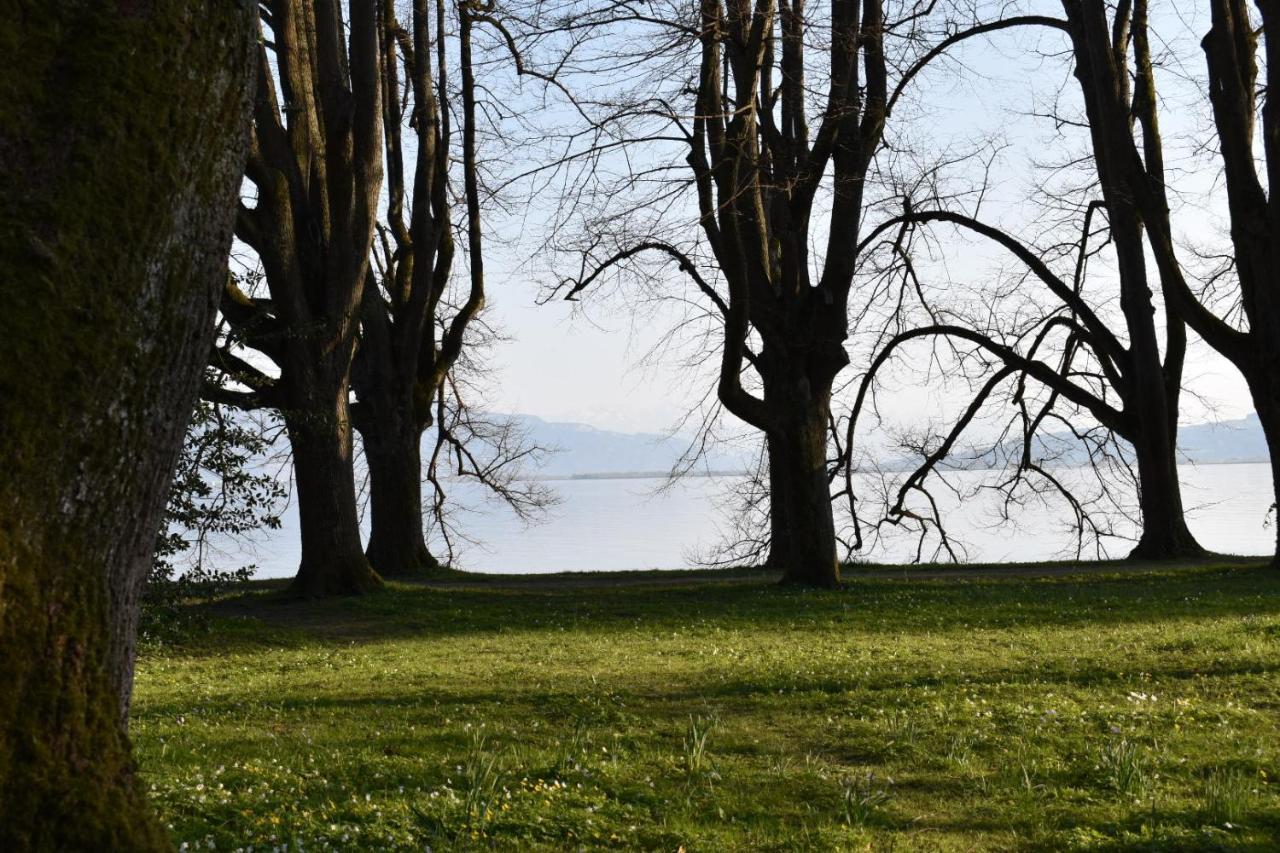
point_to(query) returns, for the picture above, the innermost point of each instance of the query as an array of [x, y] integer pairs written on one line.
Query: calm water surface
[[631, 524]]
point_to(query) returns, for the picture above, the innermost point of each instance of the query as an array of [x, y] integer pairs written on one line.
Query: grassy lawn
[[1098, 712]]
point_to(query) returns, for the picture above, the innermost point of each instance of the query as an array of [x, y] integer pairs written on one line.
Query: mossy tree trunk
[[122, 143]]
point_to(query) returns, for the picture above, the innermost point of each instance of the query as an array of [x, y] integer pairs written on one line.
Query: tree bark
[[800, 496], [333, 561], [779, 530], [397, 546], [1165, 534], [122, 142], [1269, 415]]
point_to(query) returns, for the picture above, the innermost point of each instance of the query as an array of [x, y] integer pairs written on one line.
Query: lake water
[[632, 524]]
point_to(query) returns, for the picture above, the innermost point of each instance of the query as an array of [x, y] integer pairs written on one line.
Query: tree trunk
[[333, 563], [1164, 528], [122, 142], [800, 503], [393, 412], [779, 531], [396, 544], [1269, 415], [1165, 534]]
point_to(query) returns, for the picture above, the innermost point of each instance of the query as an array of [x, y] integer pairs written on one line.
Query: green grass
[[1067, 713]]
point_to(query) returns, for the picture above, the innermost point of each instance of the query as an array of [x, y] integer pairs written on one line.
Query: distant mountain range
[[1226, 441], [585, 451], [1218, 443], [582, 450], [1202, 444]]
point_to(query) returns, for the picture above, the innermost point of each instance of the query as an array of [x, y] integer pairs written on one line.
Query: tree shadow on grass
[[638, 697], [1165, 830], [866, 606]]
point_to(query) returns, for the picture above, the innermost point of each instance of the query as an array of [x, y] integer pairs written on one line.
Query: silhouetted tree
[[1111, 47], [316, 166], [781, 114], [1112, 373], [1252, 342], [412, 335]]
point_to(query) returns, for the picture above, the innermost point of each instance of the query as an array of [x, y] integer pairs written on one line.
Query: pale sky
[[585, 369], [586, 361], [584, 365]]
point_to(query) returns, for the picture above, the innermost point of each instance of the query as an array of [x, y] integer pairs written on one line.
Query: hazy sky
[[585, 361], [585, 369], [584, 365]]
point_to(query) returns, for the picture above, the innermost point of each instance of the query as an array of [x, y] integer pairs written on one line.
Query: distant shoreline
[[635, 475], [663, 475]]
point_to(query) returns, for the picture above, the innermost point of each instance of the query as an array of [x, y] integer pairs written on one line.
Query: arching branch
[[951, 41], [1105, 342]]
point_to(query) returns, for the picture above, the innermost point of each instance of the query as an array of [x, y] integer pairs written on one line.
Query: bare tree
[[1117, 76], [1111, 104], [412, 334], [781, 149], [1231, 52], [1111, 376], [316, 165], [477, 448], [121, 149]]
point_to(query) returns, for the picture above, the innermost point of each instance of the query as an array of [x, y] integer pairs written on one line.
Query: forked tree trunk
[[397, 546], [1113, 99], [333, 561], [390, 412], [316, 164], [1153, 405], [122, 142]]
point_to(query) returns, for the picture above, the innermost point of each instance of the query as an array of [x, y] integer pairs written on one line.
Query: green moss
[[68, 778], [101, 109]]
